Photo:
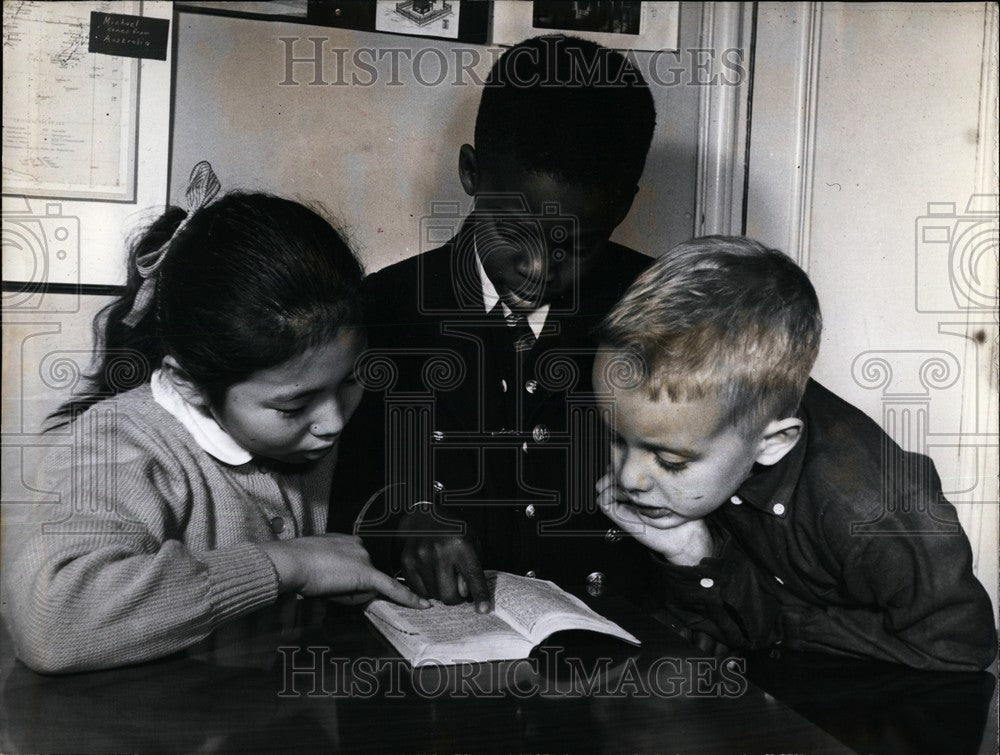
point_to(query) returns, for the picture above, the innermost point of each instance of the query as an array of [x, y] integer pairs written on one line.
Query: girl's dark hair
[[251, 281]]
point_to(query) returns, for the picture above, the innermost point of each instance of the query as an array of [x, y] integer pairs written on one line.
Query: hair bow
[[203, 186]]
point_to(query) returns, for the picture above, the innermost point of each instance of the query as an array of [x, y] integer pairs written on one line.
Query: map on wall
[[69, 116]]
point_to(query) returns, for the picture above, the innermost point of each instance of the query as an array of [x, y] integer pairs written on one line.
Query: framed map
[[70, 117]]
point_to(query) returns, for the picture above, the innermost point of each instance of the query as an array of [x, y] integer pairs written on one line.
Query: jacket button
[[540, 434], [503, 385], [614, 535], [524, 447], [531, 386], [778, 508], [707, 582], [736, 500], [277, 525], [437, 435], [438, 487], [530, 573], [595, 583], [529, 511]]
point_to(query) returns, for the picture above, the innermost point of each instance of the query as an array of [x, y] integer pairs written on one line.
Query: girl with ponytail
[[197, 490]]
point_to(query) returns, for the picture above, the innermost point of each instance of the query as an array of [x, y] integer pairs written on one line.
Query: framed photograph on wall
[[460, 20], [422, 18], [618, 24]]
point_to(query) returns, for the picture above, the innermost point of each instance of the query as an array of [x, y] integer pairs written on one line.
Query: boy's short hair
[[722, 316], [567, 107]]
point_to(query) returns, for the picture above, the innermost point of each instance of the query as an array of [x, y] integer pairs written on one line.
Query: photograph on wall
[[618, 24], [422, 18], [622, 17], [270, 8]]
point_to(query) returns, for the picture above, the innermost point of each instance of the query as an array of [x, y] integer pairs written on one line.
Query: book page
[[526, 600], [441, 623], [447, 634], [538, 608]]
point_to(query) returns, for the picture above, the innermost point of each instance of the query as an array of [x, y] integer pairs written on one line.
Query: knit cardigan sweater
[[149, 544]]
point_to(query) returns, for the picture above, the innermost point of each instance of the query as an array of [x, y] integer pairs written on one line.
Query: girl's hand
[[333, 565], [684, 542]]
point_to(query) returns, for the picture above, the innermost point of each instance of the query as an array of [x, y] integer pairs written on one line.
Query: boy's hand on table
[[445, 567], [334, 565], [684, 542]]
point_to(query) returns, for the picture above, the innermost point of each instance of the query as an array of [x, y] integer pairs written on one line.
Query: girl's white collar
[[206, 432]]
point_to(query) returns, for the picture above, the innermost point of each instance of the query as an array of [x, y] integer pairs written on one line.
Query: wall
[[864, 114], [47, 336], [378, 155]]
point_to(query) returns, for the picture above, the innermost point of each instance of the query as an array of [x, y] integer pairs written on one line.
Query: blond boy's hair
[[722, 316]]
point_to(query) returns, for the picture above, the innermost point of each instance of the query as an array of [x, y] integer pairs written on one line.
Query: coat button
[[277, 525], [437, 435], [736, 500], [531, 386], [503, 385], [438, 487], [529, 511], [595, 583], [540, 434], [530, 573], [707, 582], [614, 535], [778, 508]]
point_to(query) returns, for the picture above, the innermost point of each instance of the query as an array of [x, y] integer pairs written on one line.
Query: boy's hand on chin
[[684, 542]]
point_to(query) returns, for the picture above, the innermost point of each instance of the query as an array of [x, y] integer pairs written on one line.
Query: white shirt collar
[[206, 432], [536, 318]]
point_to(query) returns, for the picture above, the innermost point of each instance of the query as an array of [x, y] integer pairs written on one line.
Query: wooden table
[[307, 676]]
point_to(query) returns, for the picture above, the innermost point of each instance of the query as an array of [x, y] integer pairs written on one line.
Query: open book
[[526, 611]]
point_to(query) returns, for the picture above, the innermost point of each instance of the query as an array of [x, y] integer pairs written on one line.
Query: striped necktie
[[524, 336]]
